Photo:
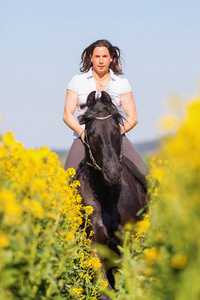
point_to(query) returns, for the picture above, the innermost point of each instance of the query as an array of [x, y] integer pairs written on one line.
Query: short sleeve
[[73, 84], [126, 87]]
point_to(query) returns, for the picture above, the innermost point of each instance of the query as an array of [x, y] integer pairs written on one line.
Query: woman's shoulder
[[76, 81], [122, 84], [78, 76], [118, 78], [82, 75]]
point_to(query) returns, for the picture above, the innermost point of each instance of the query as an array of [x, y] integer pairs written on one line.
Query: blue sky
[[41, 45]]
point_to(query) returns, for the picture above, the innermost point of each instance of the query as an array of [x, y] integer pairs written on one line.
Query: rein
[[94, 163]]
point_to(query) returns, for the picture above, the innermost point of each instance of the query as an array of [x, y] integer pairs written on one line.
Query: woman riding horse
[[101, 66]]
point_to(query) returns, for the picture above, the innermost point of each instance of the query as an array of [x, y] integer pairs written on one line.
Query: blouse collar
[[112, 74]]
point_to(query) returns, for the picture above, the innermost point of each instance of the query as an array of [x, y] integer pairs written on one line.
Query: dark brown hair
[[115, 52]]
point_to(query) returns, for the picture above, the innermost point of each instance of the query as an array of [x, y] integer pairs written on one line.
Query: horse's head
[[103, 137]]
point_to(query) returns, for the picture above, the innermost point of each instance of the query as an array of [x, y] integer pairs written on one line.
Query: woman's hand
[[122, 129], [82, 135]]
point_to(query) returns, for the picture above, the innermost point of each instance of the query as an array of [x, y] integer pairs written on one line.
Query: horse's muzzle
[[112, 174]]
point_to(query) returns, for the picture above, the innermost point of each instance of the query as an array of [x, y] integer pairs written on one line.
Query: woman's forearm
[[129, 108], [72, 123], [129, 123]]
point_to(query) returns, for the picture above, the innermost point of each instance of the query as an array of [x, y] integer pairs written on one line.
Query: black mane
[[103, 105]]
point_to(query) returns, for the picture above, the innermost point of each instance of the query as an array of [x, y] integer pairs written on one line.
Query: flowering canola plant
[[161, 253], [44, 249]]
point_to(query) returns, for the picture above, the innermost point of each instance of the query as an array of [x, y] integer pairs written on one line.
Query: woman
[[101, 66]]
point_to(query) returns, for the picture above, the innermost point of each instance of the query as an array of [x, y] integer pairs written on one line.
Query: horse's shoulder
[[83, 176], [127, 172], [82, 170]]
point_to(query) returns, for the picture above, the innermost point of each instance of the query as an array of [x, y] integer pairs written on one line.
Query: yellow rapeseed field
[[44, 250]]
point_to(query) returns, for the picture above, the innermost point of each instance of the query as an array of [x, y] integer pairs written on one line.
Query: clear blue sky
[[41, 45]]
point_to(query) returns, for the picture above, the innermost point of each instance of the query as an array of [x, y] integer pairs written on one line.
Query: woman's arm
[[129, 108], [71, 103]]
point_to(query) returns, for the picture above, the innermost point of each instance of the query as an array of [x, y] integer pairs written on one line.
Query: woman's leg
[[75, 155], [130, 152]]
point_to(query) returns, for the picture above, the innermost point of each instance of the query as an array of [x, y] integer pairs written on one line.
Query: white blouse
[[84, 84]]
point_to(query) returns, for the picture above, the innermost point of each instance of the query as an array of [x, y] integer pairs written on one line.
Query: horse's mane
[[101, 104]]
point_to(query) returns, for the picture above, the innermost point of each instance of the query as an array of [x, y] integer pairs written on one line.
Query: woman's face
[[101, 60]]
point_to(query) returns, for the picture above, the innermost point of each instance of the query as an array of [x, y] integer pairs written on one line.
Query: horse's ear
[[91, 99], [105, 98]]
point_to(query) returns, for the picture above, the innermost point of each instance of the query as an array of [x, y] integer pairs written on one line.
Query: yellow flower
[[92, 262], [3, 152], [62, 233], [52, 215], [88, 209], [39, 185], [17, 151], [11, 209], [35, 207], [44, 152], [91, 233], [75, 184], [87, 242], [155, 192], [105, 285], [53, 159], [70, 236], [77, 291], [179, 261], [157, 173], [144, 224], [13, 212], [71, 172], [151, 254], [8, 139], [4, 241], [6, 196]]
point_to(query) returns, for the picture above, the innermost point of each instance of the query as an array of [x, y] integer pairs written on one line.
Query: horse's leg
[[101, 234]]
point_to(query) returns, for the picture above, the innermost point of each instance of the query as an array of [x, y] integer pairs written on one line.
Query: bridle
[[86, 142]]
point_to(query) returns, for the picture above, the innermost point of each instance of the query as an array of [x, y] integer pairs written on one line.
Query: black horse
[[107, 183]]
